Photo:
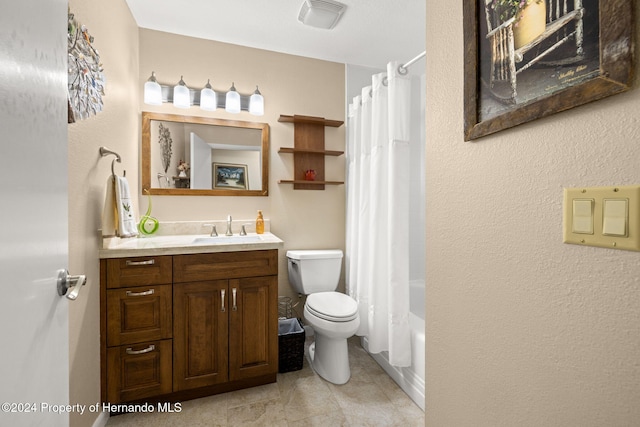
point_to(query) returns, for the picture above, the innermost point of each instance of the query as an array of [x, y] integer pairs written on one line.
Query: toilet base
[[330, 359]]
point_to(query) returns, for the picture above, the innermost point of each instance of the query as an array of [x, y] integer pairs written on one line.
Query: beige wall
[[304, 219], [290, 85], [117, 127], [521, 329]]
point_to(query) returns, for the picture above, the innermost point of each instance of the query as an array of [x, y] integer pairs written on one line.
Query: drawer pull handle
[[138, 263], [141, 294], [143, 351], [235, 307], [222, 299]]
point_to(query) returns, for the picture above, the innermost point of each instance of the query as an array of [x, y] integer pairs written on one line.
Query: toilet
[[332, 315]]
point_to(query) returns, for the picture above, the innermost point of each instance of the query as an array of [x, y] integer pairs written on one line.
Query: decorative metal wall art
[[86, 80]]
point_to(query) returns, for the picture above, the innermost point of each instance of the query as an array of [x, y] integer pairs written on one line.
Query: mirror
[[191, 156]]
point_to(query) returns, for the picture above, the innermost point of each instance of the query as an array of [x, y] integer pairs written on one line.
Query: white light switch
[[607, 217], [614, 217], [582, 216]]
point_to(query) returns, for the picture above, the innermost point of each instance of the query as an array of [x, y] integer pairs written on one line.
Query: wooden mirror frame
[[145, 172]]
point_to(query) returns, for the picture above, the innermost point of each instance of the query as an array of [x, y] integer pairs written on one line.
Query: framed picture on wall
[[529, 59], [230, 176]]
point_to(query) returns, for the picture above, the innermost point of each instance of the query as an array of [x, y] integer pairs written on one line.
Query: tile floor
[[299, 398]]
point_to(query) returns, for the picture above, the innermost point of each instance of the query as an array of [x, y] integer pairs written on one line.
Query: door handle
[[66, 282], [234, 293], [222, 299]]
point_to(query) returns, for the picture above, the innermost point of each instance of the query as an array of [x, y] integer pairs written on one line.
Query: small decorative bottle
[[260, 223]]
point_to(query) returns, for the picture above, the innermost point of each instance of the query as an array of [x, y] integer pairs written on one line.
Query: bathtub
[[410, 379]]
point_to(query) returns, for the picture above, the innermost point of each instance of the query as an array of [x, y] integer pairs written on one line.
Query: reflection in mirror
[[184, 155]]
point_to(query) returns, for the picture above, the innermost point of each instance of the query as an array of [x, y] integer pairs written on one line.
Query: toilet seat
[[332, 306]]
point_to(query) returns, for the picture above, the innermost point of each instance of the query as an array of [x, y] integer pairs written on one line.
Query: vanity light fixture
[[152, 91], [208, 98], [232, 104], [181, 98], [256, 103]]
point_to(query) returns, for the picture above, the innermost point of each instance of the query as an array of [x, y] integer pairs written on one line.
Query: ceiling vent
[[321, 13]]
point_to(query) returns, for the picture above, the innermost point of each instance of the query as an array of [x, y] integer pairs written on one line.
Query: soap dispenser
[[260, 223]]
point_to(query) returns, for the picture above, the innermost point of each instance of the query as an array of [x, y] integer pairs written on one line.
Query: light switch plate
[[630, 193]]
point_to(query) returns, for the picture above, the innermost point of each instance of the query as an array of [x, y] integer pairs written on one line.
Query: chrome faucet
[[229, 232]]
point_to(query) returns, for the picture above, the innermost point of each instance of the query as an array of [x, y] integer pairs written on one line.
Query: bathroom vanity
[[181, 320]]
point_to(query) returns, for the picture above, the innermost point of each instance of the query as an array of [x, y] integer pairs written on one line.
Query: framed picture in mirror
[[229, 176]]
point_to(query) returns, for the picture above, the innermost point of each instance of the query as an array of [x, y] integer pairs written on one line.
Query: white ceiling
[[370, 32]]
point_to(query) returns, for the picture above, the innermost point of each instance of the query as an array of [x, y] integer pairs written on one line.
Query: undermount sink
[[227, 239]]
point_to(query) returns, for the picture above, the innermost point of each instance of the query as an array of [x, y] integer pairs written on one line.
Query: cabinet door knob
[[222, 292], [234, 292]]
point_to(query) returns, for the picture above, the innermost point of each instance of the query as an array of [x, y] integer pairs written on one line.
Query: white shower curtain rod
[[402, 69]]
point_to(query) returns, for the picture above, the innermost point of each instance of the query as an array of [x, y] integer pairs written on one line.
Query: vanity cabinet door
[[253, 327], [139, 370], [200, 331]]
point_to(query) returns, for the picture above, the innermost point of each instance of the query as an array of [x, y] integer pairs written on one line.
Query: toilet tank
[[312, 271]]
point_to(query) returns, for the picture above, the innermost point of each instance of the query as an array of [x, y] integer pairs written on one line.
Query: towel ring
[[113, 172], [104, 151]]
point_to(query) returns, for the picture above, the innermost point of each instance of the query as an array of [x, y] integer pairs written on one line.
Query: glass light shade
[[181, 98], [256, 103], [232, 102], [152, 91], [208, 98]]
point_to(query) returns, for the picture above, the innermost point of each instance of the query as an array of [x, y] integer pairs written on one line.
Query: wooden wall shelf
[[305, 182], [310, 120], [308, 150]]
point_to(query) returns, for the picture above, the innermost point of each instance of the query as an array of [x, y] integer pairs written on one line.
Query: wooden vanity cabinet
[[183, 326]]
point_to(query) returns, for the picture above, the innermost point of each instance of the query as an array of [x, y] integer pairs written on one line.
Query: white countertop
[[186, 244]]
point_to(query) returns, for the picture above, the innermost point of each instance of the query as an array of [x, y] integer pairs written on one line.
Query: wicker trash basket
[[291, 338]]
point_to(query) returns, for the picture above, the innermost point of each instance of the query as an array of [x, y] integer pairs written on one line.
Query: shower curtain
[[377, 252]]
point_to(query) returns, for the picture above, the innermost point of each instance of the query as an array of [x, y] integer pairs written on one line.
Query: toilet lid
[[314, 254], [333, 306]]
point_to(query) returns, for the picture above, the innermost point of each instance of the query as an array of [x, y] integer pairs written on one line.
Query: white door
[[34, 361], [200, 163]]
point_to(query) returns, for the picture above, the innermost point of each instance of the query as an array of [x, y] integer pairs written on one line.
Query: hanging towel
[[126, 225], [109, 212]]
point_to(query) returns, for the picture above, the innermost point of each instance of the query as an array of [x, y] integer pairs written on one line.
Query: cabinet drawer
[[138, 371], [224, 265], [139, 271], [138, 314]]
